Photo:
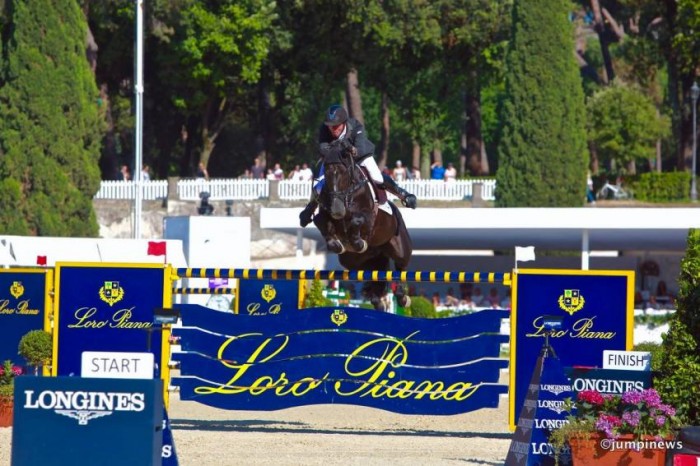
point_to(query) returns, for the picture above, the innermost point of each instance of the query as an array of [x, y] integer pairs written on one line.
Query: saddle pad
[[385, 207]]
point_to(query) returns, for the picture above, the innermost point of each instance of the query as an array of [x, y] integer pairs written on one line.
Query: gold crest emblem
[[339, 317], [571, 301], [17, 289], [111, 293], [268, 293]]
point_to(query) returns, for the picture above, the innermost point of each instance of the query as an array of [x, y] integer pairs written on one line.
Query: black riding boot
[[408, 199], [307, 214]]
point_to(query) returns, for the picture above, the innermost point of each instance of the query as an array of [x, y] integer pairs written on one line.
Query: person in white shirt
[[399, 173]]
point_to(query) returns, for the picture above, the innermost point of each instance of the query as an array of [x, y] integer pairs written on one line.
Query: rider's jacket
[[354, 134]]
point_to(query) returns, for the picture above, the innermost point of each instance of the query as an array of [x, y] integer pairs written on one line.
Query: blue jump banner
[[108, 307], [24, 306], [341, 355], [596, 309], [266, 297]]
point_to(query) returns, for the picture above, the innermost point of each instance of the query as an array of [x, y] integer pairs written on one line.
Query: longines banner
[[107, 307], [596, 309], [23, 305], [340, 355], [267, 297]]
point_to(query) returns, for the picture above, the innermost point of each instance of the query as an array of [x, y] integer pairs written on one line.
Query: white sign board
[[116, 365], [627, 360]]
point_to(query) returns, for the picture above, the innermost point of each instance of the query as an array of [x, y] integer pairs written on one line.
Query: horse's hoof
[[336, 246], [360, 246]]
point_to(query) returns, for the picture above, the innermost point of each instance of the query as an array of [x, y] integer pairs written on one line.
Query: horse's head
[[340, 183]]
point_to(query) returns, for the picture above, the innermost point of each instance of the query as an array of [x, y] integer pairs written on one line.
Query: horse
[[364, 236]]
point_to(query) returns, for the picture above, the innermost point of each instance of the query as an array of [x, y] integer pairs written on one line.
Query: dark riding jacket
[[354, 134]]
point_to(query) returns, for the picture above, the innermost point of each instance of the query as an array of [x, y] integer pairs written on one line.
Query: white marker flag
[[524, 254]]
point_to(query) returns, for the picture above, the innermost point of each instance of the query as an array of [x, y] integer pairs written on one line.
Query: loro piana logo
[[268, 293], [111, 293], [339, 317], [16, 290], [571, 301]]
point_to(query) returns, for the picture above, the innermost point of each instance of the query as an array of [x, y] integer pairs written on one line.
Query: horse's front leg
[[327, 230], [354, 233]]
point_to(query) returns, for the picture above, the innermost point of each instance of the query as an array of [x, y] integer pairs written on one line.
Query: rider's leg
[[376, 175], [307, 214], [408, 199]]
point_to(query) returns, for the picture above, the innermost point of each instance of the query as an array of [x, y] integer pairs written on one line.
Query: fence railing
[[245, 189]]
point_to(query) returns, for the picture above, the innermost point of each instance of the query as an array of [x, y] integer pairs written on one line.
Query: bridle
[[356, 183]]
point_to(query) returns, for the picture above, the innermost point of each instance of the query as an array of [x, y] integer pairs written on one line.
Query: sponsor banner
[[168, 452], [72, 420], [22, 307], [341, 355], [267, 297], [609, 381], [596, 313], [542, 412], [107, 308]]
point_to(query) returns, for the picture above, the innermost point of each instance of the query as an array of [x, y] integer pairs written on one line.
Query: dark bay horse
[[364, 236]]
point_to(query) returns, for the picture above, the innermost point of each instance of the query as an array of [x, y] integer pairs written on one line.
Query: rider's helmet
[[335, 115]]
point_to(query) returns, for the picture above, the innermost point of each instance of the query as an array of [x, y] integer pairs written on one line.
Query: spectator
[[278, 172], [415, 173], [305, 174], [295, 174], [450, 173], [258, 169], [437, 171], [477, 297], [493, 298], [247, 175], [124, 174], [436, 300], [467, 303], [146, 173], [662, 294], [399, 173], [202, 171], [450, 298], [589, 188], [270, 174]]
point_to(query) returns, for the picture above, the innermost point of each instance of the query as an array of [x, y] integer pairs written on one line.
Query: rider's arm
[[364, 146]]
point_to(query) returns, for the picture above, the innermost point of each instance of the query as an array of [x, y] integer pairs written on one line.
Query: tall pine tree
[[542, 154], [50, 123]]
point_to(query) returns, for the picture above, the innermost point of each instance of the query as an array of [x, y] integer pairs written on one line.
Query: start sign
[[116, 365]]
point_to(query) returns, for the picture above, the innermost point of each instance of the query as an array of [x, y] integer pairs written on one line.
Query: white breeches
[[371, 165]]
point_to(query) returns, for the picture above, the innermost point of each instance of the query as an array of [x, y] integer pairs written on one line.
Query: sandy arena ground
[[329, 435]]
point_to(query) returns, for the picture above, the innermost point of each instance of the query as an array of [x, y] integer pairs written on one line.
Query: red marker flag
[[156, 248], [40, 260]]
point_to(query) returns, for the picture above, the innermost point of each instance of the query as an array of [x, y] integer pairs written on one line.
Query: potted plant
[[631, 428], [36, 347], [8, 372]]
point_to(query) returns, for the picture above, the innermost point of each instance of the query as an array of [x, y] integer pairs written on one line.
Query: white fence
[[290, 190]]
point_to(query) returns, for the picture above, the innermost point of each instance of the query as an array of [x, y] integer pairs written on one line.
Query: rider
[[339, 133]]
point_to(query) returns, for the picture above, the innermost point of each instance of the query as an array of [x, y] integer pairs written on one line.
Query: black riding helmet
[[335, 115]]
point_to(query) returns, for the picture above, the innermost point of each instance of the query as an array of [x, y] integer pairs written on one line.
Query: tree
[[542, 153], [624, 126], [50, 122], [679, 381]]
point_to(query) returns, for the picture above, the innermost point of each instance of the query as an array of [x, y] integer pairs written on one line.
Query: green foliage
[[50, 125], [314, 297], [542, 153], [36, 347], [656, 352], [7, 379], [624, 125], [422, 307], [679, 380], [661, 187]]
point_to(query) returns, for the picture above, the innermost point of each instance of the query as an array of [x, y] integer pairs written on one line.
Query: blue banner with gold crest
[[22, 307], [340, 355], [267, 297], [596, 313], [106, 308]]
